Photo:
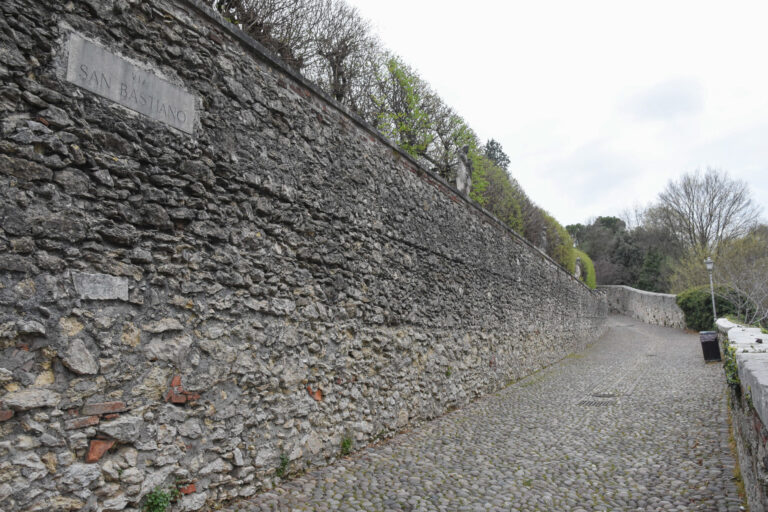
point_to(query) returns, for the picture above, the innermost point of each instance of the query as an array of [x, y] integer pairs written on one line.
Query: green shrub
[[587, 269], [283, 467], [696, 304], [560, 244], [730, 366], [159, 500], [496, 191], [346, 446]]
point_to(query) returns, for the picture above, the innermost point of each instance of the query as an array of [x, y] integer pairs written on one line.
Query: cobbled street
[[636, 422]]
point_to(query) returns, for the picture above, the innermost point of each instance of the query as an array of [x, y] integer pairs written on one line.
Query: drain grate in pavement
[[596, 403]]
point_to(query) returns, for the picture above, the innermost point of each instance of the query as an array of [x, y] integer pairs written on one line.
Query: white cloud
[[668, 100]]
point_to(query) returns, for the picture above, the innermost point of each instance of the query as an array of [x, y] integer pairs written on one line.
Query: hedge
[[587, 269], [696, 304]]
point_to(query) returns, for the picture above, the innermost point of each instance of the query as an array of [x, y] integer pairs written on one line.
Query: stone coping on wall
[[264, 53], [752, 361], [636, 290]]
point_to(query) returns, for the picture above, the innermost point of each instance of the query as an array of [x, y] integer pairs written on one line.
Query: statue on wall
[[577, 271], [464, 172]]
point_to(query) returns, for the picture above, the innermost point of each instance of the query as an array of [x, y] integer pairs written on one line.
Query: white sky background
[[597, 103]]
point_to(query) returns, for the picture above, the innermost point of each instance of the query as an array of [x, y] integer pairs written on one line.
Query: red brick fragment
[[98, 448], [111, 416], [177, 394], [175, 398], [102, 408], [6, 414], [317, 394], [85, 421], [188, 489]]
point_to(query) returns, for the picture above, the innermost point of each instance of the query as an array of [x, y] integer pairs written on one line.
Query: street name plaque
[[100, 71]]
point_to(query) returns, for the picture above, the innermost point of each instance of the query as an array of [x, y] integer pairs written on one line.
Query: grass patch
[[159, 500], [282, 469], [346, 446]]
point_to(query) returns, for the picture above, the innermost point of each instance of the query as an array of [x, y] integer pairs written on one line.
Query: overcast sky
[[597, 103]]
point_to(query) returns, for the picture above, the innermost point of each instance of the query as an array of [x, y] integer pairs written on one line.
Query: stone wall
[[188, 300], [749, 407], [649, 307]]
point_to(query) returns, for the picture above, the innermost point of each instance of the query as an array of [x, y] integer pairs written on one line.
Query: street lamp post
[[710, 266]]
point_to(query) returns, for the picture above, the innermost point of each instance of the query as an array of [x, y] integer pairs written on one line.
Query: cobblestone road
[[636, 422]]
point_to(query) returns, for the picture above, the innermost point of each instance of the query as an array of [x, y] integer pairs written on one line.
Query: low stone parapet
[[749, 405], [648, 307]]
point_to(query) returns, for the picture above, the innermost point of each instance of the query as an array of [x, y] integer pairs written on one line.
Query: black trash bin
[[709, 345]]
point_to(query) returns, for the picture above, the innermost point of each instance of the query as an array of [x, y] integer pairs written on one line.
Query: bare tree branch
[[706, 209]]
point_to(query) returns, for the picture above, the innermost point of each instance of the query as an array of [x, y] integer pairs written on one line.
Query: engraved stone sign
[[98, 70]]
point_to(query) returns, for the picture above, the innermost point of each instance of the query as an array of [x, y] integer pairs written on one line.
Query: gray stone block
[[78, 359], [100, 286], [31, 399]]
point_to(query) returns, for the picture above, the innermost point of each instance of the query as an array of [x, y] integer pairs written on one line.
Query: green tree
[[496, 191], [402, 114], [494, 152], [559, 244], [651, 273], [688, 271]]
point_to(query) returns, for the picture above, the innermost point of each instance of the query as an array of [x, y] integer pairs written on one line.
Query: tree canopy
[[702, 209], [700, 215], [493, 151]]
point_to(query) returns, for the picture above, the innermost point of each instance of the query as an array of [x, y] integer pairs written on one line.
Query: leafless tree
[[361, 93], [742, 266], [608, 272], [284, 26], [534, 221], [450, 134], [634, 216], [326, 40], [705, 209], [343, 44]]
